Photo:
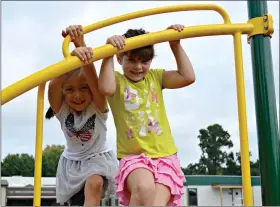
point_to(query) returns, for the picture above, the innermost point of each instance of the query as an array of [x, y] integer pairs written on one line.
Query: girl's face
[[76, 92], [134, 68]]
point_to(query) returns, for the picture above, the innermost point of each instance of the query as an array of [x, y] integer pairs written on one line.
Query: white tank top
[[85, 133]]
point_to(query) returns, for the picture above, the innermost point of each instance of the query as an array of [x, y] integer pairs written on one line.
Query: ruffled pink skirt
[[166, 170]]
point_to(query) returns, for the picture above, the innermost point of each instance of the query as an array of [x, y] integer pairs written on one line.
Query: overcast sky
[[31, 40]]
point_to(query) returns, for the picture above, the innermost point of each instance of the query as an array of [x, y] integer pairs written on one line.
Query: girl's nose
[[77, 94], [138, 66]]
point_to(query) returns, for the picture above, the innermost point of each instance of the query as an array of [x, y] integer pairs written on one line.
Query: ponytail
[[50, 113]]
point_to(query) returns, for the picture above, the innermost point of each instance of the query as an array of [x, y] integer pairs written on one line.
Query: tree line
[[215, 159]]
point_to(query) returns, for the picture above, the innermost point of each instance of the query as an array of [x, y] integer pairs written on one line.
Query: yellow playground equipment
[[259, 29]]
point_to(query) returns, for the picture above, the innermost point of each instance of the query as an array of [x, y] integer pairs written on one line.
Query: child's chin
[[135, 79], [79, 109]]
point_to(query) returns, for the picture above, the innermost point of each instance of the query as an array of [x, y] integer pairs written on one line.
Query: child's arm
[[55, 95], [85, 54], [107, 81], [184, 75]]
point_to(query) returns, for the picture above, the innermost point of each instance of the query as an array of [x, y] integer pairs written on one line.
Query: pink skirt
[[166, 170]]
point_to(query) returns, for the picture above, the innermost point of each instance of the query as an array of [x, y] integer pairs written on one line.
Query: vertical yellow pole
[[221, 196], [187, 197], [38, 146], [244, 145]]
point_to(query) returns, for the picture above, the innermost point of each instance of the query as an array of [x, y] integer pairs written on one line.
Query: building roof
[[219, 180], [19, 181], [4, 183]]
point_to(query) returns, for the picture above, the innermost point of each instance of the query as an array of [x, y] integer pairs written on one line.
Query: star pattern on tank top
[[84, 134]]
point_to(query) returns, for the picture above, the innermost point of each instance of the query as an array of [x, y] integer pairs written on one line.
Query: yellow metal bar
[[38, 146], [148, 12], [102, 52], [221, 196], [262, 25], [244, 145]]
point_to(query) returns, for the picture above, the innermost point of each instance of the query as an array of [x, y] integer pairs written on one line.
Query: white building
[[4, 185], [199, 191]]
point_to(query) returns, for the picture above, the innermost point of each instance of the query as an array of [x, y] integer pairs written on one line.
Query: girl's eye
[[130, 60], [68, 89], [84, 88]]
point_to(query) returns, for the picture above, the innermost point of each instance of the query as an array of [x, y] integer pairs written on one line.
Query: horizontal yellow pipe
[[147, 12], [71, 63]]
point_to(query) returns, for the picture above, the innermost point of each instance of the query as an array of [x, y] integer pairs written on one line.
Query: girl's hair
[[145, 53], [50, 112]]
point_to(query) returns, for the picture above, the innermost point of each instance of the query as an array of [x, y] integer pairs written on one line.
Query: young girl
[[86, 162], [149, 169]]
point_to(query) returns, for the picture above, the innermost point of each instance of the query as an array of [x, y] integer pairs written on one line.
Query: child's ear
[[119, 58]]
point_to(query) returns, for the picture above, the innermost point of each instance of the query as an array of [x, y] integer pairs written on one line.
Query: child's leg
[[140, 184], [162, 195], [93, 190]]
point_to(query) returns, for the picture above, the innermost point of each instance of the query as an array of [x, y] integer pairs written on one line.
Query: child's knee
[[143, 190], [95, 183]]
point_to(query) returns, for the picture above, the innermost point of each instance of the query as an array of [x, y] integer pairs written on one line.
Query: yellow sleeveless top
[[140, 118]]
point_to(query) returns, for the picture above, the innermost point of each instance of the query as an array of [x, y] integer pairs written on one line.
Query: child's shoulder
[[92, 109], [155, 72], [118, 75]]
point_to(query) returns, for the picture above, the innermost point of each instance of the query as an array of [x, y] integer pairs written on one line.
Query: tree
[[215, 160], [18, 164], [51, 155], [232, 165], [23, 164], [255, 168], [212, 141], [194, 169]]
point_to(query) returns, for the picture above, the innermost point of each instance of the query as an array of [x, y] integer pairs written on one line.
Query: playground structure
[[259, 29]]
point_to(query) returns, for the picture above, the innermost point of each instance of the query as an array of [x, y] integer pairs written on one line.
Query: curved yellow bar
[[71, 63], [144, 13]]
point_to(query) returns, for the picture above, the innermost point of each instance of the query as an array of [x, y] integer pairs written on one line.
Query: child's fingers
[[88, 54], [181, 27], [91, 52], [178, 27], [119, 44], [114, 41], [70, 32], [84, 56], [111, 41], [79, 55], [74, 29], [122, 41], [80, 30], [170, 27], [119, 41]]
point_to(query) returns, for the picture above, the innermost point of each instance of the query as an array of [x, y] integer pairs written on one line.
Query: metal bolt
[[264, 18], [266, 27]]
